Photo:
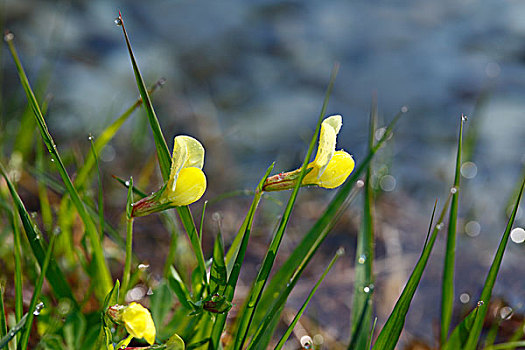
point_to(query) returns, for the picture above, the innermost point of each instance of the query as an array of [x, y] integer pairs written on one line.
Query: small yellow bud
[[138, 322]]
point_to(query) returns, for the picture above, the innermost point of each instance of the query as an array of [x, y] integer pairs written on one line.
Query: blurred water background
[[248, 77]]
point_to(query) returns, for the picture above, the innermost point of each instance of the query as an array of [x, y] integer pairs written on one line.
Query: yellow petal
[[187, 152], [327, 139], [138, 322], [190, 187], [335, 173]]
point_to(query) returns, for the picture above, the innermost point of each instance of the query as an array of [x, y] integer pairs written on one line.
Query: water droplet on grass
[[38, 308], [362, 259], [143, 267], [404, 109], [464, 117], [439, 226], [9, 36], [368, 289], [360, 183], [517, 235], [306, 342], [454, 190], [480, 303], [127, 183], [118, 21], [505, 312]]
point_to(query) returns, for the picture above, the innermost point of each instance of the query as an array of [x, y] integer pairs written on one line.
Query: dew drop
[[118, 21], [143, 267], [360, 183], [52, 159], [340, 251], [404, 109], [368, 289], [464, 117], [90, 137], [127, 183], [439, 226], [38, 308], [505, 312], [306, 342], [361, 259], [464, 298], [149, 292], [9, 36], [480, 303], [453, 190]]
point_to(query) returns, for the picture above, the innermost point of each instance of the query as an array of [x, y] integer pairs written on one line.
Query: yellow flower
[[329, 169], [138, 322], [186, 183]]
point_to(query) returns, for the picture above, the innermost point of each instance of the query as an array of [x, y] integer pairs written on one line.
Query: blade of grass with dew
[[202, 221], [389, 335], [318, 231], [505, 346], [129, 240], [486, 293], [447, 287], [459, 335], [54, 274], [371, 335], [233, 277], [263, 333], [364, 254], [286, 334], [102, 270], [273, 314], [13, 332], [45, 207], [100, 189], [360, 325], [218, 275], [267, 264], [34, 309], [163, 155]]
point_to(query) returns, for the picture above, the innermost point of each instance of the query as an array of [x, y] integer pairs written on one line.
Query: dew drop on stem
[[38, 308], [118, 21], [8, 36]]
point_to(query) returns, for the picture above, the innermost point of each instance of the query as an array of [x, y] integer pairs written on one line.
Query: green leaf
[[486, 293], [389, 335], [218, 277], [447, 291], [54, 274], [175, 343], [504, 346], [161, 302], [13, 331], [112, 297], [3, 322]]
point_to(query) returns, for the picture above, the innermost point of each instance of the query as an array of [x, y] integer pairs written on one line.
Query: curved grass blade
[[54, 274], [364, 255], [447, 287], [179, 288], [389, 335], [34, 309], [491, 277], [13, 332], [163, 155], [321, 228], [229, 291], [267, 264], [218, 275], [102, 271], [504, 346], [285, 336]]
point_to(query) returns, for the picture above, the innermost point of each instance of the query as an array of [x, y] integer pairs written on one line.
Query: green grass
[[67, 241]]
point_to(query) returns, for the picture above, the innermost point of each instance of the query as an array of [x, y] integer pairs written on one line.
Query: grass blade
[[218, 275], [364, 255], [3, 322], [13, 331], [177, 285], [321, 228], [267, 264], [229, 291], [34, 309], [104, 278], [163, 154], [54, 274], [459, 335], [19, 308], [504, 346], [389, 335], [447, 292], [361, 323], [129, 240], [491, 277], [285, 336], [100, 189]]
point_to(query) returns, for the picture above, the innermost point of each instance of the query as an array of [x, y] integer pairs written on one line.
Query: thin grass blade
[[100, 189], [178, 286], [286, 334], [459, 335], [19, 308], [129, 239], [491, 277], [13, 331], [509, 345], [3, 322], [447, 287], [54, 274], [364, 255], [218, 275], [104, 278], [233, 277], [389, 335]]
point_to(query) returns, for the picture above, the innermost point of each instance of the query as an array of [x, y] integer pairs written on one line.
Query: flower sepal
[[283, 181]]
